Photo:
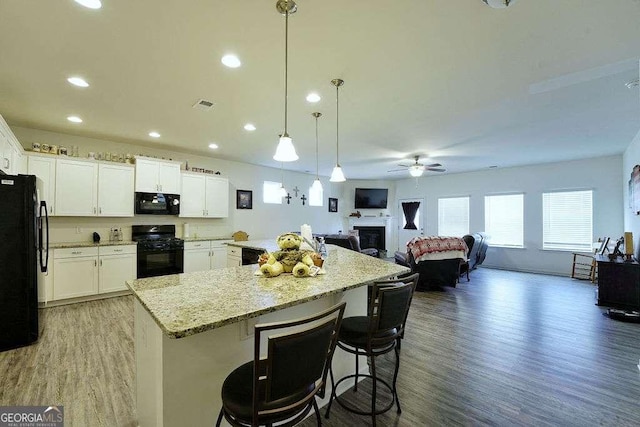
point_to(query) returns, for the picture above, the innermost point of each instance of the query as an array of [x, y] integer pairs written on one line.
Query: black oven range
[[160, 252]]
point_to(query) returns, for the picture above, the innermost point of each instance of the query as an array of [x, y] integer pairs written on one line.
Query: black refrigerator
[[23, 253]]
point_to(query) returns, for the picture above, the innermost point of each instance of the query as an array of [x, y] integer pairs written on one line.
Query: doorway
[[405, 235]]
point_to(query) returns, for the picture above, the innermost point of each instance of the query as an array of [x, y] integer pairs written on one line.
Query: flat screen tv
[[371, 198]]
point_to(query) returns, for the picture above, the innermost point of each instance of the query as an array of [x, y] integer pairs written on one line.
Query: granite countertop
[[187, 304], [67, 245]]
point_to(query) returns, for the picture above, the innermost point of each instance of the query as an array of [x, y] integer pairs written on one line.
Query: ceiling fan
[[416, 169]]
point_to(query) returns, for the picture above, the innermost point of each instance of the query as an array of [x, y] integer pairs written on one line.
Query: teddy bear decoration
[[289, 259]]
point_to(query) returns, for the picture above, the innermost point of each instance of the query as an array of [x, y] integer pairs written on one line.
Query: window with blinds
[[504, 220], [453, 216], [567, 220], [271, 192]]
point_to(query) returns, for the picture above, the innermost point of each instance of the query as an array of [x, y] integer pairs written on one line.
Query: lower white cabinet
[[117, 264], [234, 256], [204, 255], [75, 272], [86, 271]]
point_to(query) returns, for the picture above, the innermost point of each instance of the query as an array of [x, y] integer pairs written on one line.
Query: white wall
[[631, 158], [602, 175], [263, 221]]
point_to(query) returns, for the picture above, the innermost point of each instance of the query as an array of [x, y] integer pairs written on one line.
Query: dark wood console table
[[618, 283]]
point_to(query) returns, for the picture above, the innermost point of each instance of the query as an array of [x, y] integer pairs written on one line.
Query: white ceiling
[[468, 85]]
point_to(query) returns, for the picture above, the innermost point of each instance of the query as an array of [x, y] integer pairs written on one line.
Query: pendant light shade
[[286, 152], [337, 175]]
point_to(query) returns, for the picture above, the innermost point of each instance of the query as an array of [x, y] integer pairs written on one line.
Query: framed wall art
[[333, 204], [244, 199]]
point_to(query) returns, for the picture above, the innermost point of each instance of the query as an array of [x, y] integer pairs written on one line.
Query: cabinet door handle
[[51, 209], [100, 263], [6, 163], [76, 252], [100, 210], [95, 263], [94, 210], [117, 250]]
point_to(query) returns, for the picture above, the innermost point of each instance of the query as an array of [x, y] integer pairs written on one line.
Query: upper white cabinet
[[157, 176], [11, 151], [76, 188], [115, 189], [44, 167], [88, 188], [204, 196]]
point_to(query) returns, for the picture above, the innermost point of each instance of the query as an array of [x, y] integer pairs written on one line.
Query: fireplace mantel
[[374, 221]]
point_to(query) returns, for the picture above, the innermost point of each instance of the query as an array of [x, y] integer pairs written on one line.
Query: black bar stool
[[375, 335], [282, 388]]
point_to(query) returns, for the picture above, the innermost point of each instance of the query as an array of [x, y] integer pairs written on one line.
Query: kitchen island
[[192, 330]]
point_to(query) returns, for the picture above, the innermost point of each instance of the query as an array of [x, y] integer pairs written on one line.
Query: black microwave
[[157, 204]]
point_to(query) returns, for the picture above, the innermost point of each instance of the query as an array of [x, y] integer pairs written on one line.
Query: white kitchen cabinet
[[157, 176], [75, 272], [204, 196], [90, 188], [204, 255], [192, 198], [11, 151], [117, 264], [44, 167], [76, 188], [217, 200], [88, 271], [115, 190], [234, 256]]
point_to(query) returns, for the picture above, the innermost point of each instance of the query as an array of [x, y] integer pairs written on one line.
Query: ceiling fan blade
[[436, 169], [404, 166], [396, 170], [433, 165]]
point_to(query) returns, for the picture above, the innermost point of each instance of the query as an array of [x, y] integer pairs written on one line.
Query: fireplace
[[371, 237]]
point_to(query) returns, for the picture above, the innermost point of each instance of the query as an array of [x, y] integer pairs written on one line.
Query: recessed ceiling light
[[250, 127], [213, 146], [91, 4], [231, 61], [154, 134], [74, 119], [78, 81], [313, 97]]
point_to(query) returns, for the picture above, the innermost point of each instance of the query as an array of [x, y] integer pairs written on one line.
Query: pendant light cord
[[286, 62], [317, 148], [337, 116]]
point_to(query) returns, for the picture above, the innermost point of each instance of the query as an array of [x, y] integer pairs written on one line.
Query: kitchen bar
[[192, 330]]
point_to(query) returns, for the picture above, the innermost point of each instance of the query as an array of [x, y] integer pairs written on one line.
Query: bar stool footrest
[[358, 411]]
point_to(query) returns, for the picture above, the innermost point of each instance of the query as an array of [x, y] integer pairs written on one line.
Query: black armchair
[[349, 242]]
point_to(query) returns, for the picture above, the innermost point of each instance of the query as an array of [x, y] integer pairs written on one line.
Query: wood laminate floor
[[505, 349]]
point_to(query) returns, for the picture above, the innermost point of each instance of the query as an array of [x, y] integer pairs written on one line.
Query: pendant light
[[317, 185], [337, 175], [286, 152]]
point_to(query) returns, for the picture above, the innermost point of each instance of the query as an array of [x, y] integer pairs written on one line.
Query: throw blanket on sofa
[[437, 247]]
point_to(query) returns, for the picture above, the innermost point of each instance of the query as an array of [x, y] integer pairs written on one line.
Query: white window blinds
[[504, 220], [567, 220], [453, 216]]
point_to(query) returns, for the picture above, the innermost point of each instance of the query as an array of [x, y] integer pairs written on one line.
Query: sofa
[[434, 274]]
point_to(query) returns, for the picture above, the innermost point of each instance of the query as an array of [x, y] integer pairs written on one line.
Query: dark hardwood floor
[[512, 349], [504, 349]]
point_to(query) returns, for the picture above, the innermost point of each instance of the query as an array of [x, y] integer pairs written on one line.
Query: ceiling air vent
[[203, 104]]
